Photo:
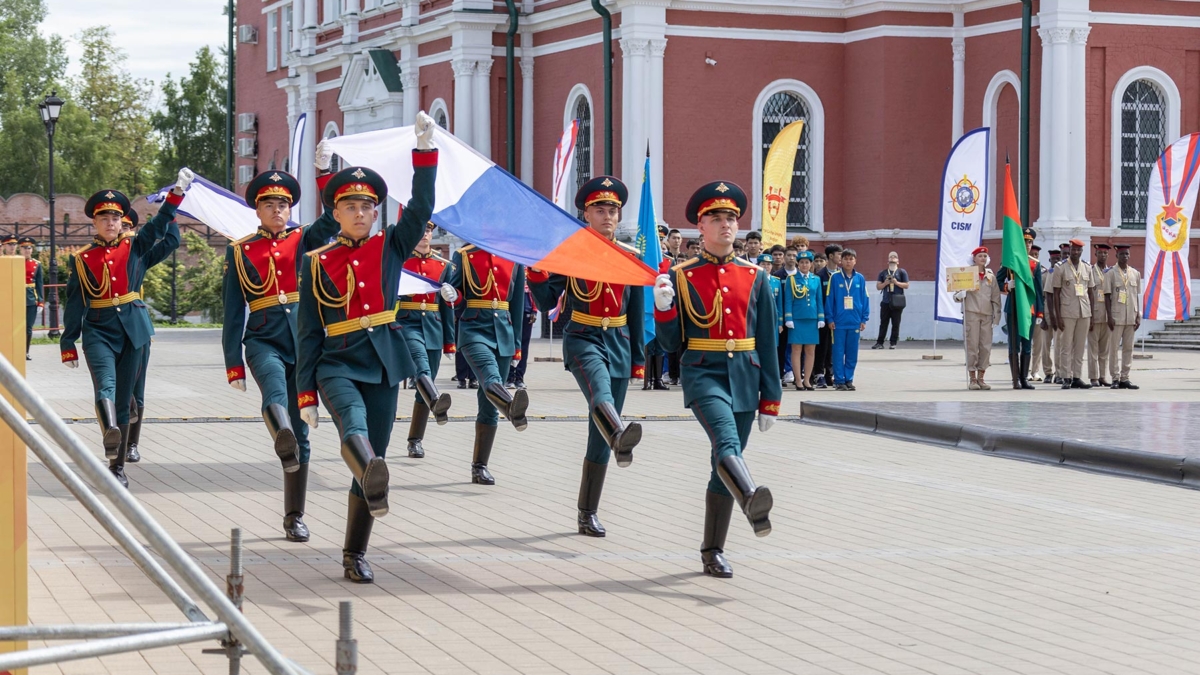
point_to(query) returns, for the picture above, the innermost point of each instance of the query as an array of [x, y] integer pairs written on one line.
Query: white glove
[[1011, 284], [820, 324], [239, 384], [514, 363], [959, 296], [71, 364], [664, 293], [765, 421], [789, 324], [424, 128], [449, 294], [309, 415], [324, 157], [184, 180]]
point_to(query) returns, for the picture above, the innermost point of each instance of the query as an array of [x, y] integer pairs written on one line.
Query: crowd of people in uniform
[[314, 315]]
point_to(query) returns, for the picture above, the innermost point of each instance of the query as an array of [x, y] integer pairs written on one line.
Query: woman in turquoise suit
[[803, 315]]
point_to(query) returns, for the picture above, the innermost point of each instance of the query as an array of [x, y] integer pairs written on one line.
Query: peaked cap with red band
[[602, 190], [106, 200], [355, 182], [716, 196], [278, 184]]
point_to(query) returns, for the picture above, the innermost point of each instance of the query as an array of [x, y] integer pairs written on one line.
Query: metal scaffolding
[[237, 636]]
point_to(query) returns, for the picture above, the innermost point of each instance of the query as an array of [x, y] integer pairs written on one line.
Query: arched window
[[779, 111], [438, 112], [583, 143], [778, 105], [331, 131], [1143, 140]]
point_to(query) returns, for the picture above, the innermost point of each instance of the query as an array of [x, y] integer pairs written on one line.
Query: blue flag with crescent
[[649, 246]]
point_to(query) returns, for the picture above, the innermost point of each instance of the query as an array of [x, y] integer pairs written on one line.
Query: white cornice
[[717, 32], [1159, 20]]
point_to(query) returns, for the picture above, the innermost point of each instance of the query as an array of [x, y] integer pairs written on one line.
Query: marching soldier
[[428, 323], [602, 346], [8, 245], [494, 292], [1098, 334], [104, 305], [261, 273], [1074, 304], [1020, 349], [1123, 286], [981, 311], [719, 310], [137, 407], [349, 346], [35, 295]]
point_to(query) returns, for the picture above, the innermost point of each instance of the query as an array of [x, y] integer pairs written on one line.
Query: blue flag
[[648, 245]]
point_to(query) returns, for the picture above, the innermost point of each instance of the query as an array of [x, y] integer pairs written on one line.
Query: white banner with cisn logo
[[960, 225]]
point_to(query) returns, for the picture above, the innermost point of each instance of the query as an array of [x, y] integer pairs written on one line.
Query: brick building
[[886, 87]]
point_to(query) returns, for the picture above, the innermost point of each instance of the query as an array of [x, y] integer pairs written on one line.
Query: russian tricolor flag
[[487, 206]]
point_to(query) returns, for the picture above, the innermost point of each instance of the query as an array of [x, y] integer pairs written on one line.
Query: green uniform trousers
[[727, 431], [30, 319], [487, 364], [139, 389], [276, 380], [361, 408], [427, 361], [591, 372], [114, 374]]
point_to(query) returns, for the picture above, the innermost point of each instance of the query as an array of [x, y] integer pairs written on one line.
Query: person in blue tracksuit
[[847, 309]]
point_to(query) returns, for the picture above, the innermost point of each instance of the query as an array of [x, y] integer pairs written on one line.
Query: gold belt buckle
[[604, 323], [495, 304], [364, 321], [116, 300], [282, 298], [730, 344], [423, 305]]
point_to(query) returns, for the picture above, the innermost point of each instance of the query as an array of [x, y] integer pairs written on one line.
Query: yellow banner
[[777, 184]]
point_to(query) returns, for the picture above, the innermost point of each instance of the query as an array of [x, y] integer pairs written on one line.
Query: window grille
[[1143, 140], [779, 111], [583, 145], [439, 117]]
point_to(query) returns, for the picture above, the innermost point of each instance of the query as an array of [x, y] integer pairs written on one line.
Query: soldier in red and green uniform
[[720, 310], [602, 347], [428, 322], [262, 274], [8, 245], [492, 291], [350, 347], [104, 304], [35, 295]]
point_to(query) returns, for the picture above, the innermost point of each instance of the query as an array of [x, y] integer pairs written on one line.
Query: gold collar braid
[[97, 291], [479, 292], [712, 318], [250, 286]]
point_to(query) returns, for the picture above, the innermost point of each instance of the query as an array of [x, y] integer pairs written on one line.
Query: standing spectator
[[1098, 335], [693, 248], [739, 249], [754, 247], [1123, 286], [787, 371], [777, 257], [824, 369], [1042, 364], [891, 284], [981, 311], [1075, 302], [516, 374], [674, 244], [803, 315], [848, 309], [800, 243]]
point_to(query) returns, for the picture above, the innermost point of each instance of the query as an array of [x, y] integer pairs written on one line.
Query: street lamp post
[[50, 108]]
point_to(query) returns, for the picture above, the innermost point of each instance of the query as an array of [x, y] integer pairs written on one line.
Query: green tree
[[191, 122], [202, 280], [30, 66]]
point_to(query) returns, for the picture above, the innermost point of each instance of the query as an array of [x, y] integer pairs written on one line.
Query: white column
[[959, 50], [526, 112], [1077, 124], [1060, 123], [634, 127], [464, 71], [654, 114], [481, 101], [1044, 130], [411, 81], [411, 14], [297, 24], [308, 45], [350, 22]]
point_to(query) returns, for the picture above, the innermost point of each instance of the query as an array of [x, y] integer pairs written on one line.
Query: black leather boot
[[295, 486], [437, 402], [718, 510], [358, 534], [106, 415], [116, 465], [485, 435], [620, 438], [756, 501], [135, 434], [1024, 372], [416, 429], [648, 376], [658, 381], [370, 471], [280, 427], [590, 487], [1014, 369], [512, 406]]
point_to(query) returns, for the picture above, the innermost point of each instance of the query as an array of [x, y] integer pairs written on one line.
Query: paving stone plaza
[[887, 556]]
